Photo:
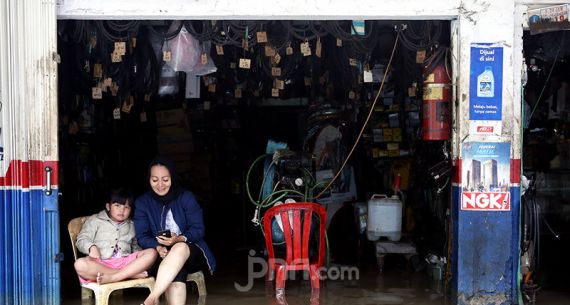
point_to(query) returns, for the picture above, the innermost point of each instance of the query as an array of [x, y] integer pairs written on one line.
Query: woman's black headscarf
[[175, 188]]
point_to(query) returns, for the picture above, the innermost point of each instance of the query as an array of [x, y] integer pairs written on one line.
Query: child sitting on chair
[[108, 238]]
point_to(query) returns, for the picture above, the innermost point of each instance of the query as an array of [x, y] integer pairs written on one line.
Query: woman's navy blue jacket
[[150, 218]]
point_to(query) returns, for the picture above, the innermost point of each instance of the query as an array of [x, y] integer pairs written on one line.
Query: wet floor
[[370, 288], [392, 287], [398, 284]]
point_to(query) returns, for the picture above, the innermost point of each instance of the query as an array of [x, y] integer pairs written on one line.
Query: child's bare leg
[[141, 275], [144, 260], [88, 268]]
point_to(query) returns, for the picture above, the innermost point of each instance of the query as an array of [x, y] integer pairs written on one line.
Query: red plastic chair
[[297, 240]]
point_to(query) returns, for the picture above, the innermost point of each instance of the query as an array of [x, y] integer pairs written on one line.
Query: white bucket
[[384, 218]]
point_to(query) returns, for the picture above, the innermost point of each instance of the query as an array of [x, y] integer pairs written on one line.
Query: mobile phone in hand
[[165, 233]]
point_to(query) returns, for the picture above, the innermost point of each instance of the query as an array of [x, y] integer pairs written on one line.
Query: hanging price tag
[[117, 113], [353, 62], [133, 42], [420, 56], [279, 84], [107, 82], [120, 48], [116, 57], [237, 93], [166, 56], [351, 95], [73, 128], [307, 81], [269, 51], [147, 97], [219, 49], [143, 117], [127, 105], [275, 92], [114, 89], [411, 91], [204, 58], [276, 59], [92, 42], [261, 37], [97, 70], [245, 44], [275, 71], [305, 48], [339, 42], [318, 48], [289, 50], [96, 93], [245, 63], [367, 75], [212, 88], [206, 105]]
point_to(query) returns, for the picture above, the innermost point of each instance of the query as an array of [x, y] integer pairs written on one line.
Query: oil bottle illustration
[[486, 83]]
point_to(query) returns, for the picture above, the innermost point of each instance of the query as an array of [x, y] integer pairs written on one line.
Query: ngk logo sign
[[476, 201], [488, 129]]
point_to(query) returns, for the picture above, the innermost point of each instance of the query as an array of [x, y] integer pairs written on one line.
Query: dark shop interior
[[545, 215], [353, 115]]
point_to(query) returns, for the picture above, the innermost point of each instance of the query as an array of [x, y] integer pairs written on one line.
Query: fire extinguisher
[[436, 102]]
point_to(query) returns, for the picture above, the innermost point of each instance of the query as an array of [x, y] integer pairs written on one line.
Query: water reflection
[[278, 297]]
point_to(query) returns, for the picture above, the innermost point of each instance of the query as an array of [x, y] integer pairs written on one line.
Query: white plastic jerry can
[[384, 218]]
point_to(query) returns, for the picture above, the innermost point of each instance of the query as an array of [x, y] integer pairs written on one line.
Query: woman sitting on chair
[[108, 238], [168, 219]]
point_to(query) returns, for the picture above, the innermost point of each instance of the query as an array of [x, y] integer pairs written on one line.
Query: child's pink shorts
[[114, 263]]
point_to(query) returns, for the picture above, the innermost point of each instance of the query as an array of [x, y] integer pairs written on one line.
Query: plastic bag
[[210, 66], [185, 51], [168, 83]]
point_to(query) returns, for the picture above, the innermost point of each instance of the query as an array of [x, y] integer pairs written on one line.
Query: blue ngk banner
[[485, 180]]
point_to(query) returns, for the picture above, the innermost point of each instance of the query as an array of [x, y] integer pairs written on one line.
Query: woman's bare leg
[[167, 271], [176, 294]]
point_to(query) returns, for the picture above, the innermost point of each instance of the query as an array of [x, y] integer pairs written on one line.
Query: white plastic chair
[[102, 291]]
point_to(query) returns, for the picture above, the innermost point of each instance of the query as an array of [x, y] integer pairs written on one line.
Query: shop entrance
[[214, 96]]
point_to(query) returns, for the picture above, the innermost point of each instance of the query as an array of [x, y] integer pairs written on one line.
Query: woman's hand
[[94, 252], [169, 241], [162, 251]]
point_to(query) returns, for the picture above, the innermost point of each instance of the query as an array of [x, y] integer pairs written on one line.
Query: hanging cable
[[117, 31], [163, 33], [548, 77], [388, 66], [209, 29]]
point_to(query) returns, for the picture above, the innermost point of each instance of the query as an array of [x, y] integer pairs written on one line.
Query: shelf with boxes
[[392, 127]]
